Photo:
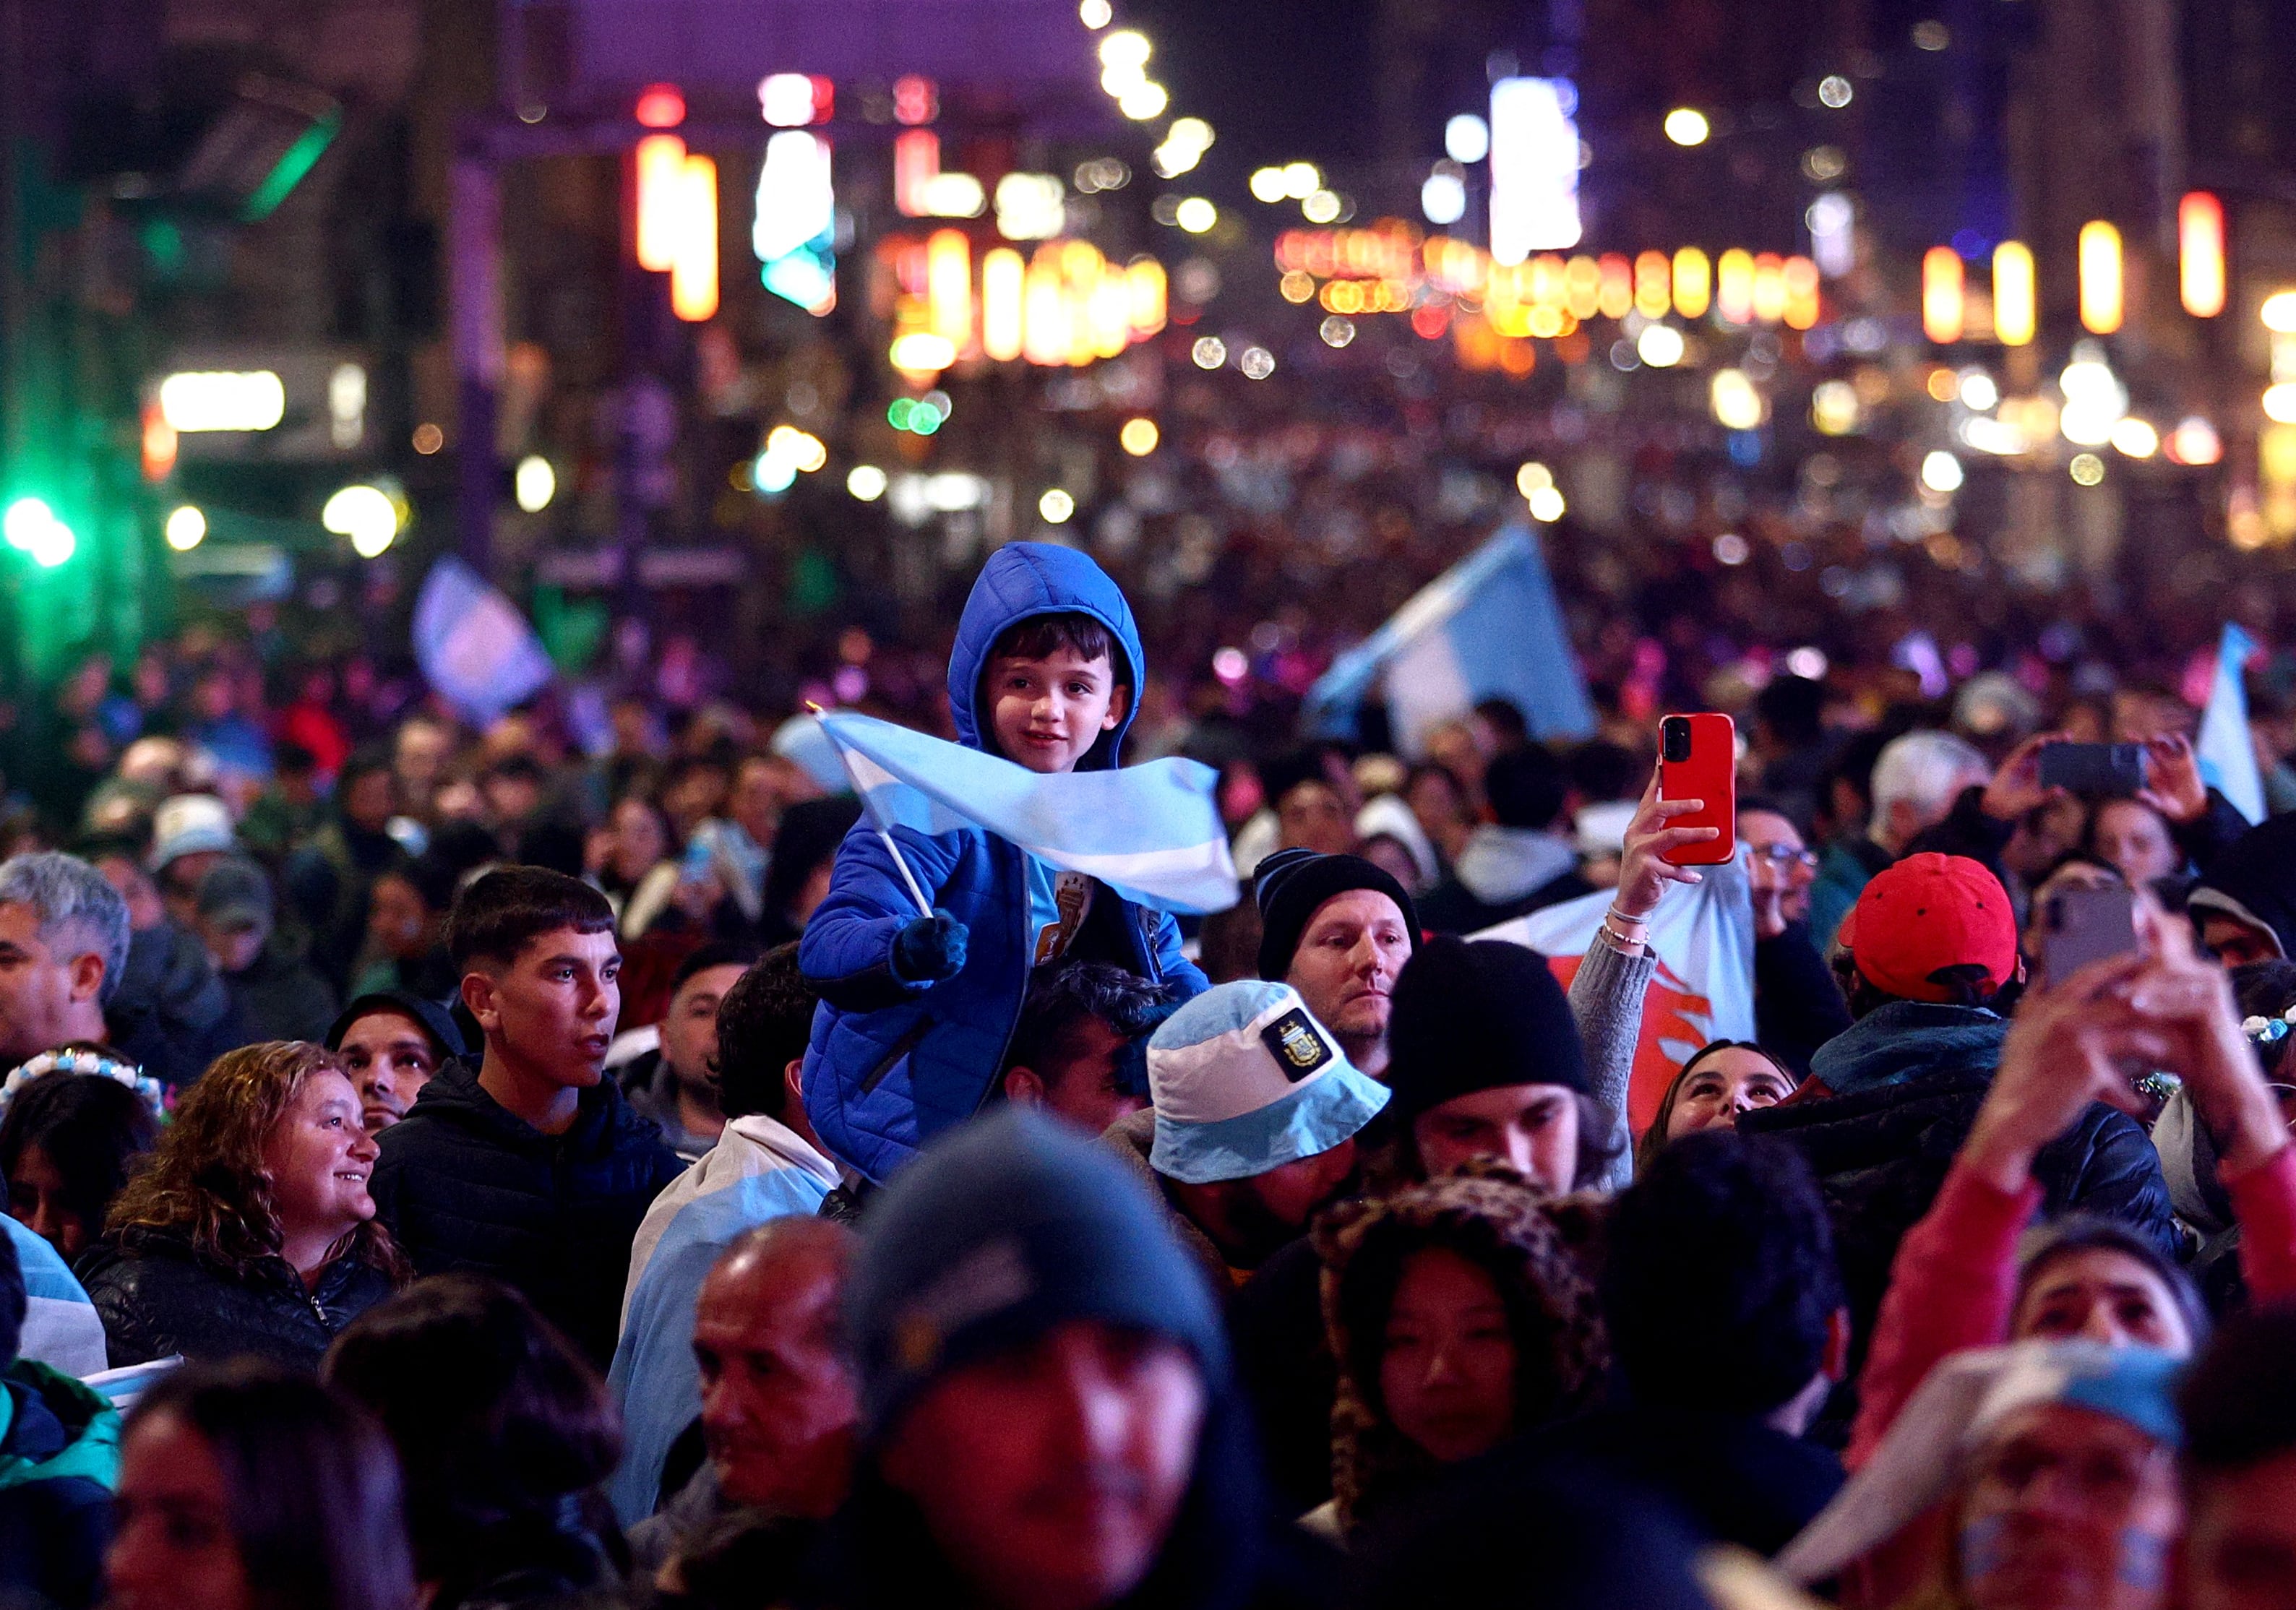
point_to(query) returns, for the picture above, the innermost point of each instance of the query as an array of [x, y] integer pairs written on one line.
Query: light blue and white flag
[[476, 651], [2227, 751], [1487, 627], [1149, 832]]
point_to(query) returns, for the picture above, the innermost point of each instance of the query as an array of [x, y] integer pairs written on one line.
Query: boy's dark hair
[[1062, 997], [13, 1300], [717, 953], [500, 914], [1039, 635], [91, 1128], [1526, 787], [2239, 1398], [1720, 1283], [763, 1025]]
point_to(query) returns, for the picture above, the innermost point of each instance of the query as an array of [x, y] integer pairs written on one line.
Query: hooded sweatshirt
[[1503, 874], [59, 1461], [894, 1062]]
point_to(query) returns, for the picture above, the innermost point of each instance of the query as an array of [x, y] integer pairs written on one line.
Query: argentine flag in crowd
[[1487, 627], [1704, 988], [1151, 832], [2225, 751], [476, 651]]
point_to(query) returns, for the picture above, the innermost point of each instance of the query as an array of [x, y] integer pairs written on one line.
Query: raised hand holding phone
[[1698, 764]]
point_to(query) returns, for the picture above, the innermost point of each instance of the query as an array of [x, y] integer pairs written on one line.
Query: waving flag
[[2225, 751], [1487, 627], [1152, 832], [474, 647], [1704, 990]]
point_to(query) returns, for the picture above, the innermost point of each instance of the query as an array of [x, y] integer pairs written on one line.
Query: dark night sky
[[1280, 78]]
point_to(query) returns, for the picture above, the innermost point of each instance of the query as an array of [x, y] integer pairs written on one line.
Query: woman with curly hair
[[251, 1230], [1460, 1317]]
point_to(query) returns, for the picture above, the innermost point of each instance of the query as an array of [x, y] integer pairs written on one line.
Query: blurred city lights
[[533, 484], [1832, 241], [2194, 441], [1687, 125], [2136, 438], [2100, 277], [866, 482], [1833, 407], [2094, 398], [1533, 477], [1095, 13], [1932, 35], [1466, 138], [1942, 471], [1143, 101], [1337, 330], [1443, 197], [210, 400], [2087, 468], [1732, 549], [364, 514], [693, 244], [1267, 184], [1321, 207], [661, 167], [1055, 507], [1185, 144], [1546, 504], [1003, 288], [2279, 313], [793, 100], [1693, 282], [660, 106], [1195, 215], [1941, 294], [2280, 403], [1833, 91], [1125, 48], [1257, 363], [1737, 404], [1533, 160], [1976, 389], [2014, 305], [1031, 206], [1138, 437], [2201, 254], [1660, 345], [1301, 180], [1231, 666], [26, 519], [921, 352], [186, 529], [794, 229], [1209, 352]]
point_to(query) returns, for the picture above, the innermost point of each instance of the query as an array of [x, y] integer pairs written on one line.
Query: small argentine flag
[[474, 647], [2226, 752], [1152, 832]]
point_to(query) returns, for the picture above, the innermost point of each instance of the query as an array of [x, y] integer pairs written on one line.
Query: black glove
[[929, 950]]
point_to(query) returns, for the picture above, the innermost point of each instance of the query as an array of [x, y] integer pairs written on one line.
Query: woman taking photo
[[251, 1230], [247, 1488]]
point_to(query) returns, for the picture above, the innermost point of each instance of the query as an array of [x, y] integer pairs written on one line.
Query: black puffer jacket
[[465, 1184], [156, 1295], [1880, 1154]]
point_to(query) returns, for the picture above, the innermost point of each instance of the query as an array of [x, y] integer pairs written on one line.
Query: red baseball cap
[[1928, 912]]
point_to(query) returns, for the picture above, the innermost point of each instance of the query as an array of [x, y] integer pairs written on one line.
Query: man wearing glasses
[[1797, 1005]]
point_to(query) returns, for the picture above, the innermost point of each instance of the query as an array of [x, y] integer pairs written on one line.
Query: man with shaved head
[[778, 1402]]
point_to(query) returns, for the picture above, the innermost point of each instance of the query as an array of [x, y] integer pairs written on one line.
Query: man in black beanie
[[1486, 1060], [1337, 928]]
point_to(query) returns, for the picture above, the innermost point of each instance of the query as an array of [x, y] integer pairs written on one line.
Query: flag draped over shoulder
[[2225, 751], [1487, 627], [476, 651], [1704, 990], [1152, 833]]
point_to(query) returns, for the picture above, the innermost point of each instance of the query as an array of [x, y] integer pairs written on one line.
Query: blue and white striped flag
[[1487, 627], [2227, 751], [1152, 832], [475, 649]]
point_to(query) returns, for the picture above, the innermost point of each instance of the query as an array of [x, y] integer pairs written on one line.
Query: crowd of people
[[452, 1168]]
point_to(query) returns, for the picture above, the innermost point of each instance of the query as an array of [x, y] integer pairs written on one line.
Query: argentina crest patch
[[1299, 1049]]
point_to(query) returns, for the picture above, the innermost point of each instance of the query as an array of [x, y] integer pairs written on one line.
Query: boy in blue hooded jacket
[[917, 1011]]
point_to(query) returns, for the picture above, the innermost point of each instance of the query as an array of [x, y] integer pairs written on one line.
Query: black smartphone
[[2081, 926], [2115, 771]]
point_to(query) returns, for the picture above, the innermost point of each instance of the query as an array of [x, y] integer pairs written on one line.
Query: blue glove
[[929, 950]]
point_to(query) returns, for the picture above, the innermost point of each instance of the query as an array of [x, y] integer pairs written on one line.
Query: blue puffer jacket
[[893, 1063]]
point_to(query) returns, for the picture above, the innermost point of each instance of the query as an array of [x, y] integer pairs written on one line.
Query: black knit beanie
[[1477, 1016], [1292, 885]]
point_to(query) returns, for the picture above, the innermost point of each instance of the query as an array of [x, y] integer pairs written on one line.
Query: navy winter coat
[[893, 1063], [465, 1184]]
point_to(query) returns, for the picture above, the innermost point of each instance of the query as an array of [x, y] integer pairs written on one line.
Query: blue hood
[[1022, 579], [1905, 1040]]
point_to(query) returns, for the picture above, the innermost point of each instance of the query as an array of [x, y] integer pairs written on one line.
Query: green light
[[899, 411], [292, 165], [925, 420], [26, 519]]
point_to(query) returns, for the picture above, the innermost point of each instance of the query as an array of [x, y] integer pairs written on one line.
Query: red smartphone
[[1698, 759]]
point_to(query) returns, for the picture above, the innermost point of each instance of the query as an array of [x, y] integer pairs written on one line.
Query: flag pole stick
[[924, 906]]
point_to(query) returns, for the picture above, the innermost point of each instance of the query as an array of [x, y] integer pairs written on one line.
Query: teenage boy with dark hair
[[1046, 672], [529, 1167], [1079, 1051], [766, 1165]]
